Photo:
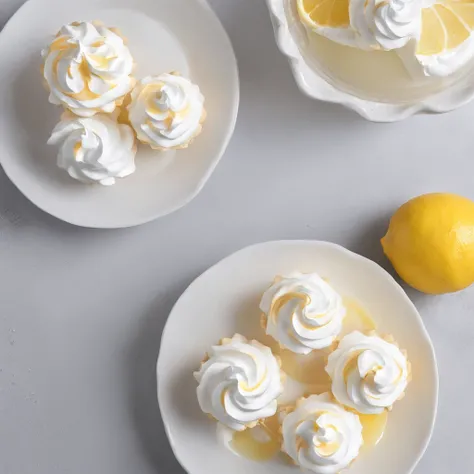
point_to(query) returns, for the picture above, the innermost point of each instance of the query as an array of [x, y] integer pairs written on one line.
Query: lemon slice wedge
[[329, 18], [446, 41]]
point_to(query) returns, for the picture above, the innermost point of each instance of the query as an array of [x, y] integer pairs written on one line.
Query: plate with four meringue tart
[[295, 355]]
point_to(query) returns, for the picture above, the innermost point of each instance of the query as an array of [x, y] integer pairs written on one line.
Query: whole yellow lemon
[[430, 242]]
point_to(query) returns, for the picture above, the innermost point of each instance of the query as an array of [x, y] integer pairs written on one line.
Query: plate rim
[[350, 254], [199, 185]]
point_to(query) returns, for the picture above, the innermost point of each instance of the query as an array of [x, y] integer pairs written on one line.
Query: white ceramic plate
[[224, 300], [164, 35]]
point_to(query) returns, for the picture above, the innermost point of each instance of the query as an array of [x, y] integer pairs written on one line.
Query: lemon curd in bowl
[[379, 76], [376, 57]]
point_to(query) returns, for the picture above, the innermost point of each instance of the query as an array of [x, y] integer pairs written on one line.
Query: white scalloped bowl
[[373, 84]]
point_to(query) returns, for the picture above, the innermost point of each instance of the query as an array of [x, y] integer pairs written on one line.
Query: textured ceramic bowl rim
[[317, 87], [161, 367]]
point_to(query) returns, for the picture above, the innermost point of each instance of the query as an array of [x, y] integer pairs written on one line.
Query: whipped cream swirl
[[321, 436], [385, 24], [166, 111], [368, 373], [442, 64], [87, 68], [94, 149], [239, 383], [302, 312]]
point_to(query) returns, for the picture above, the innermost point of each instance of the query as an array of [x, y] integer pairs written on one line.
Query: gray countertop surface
[[82, 311]]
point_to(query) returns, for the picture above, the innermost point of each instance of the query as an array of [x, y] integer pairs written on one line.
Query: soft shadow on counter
[[267, 84], [368, 244], [17, 213], [142, 384]]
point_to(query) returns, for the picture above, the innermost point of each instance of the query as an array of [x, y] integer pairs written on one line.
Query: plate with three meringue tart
[[297, 355], [115, 112]]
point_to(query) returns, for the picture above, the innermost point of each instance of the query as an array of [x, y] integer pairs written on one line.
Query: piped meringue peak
[[94, 149], [320, 435], [166, 111], [369, 373], [302, 312], [239, 383], [88, 68]]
